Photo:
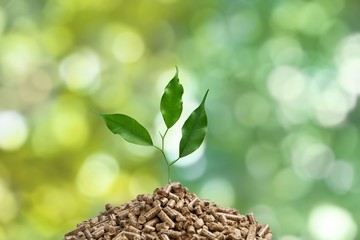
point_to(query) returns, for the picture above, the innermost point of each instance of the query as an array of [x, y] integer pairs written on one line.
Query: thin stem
[[164, 155], [162, 152], [163, 138], [173, 162], [169, 173]]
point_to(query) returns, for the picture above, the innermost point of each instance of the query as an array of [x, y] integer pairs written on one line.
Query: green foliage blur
[[283, 109]]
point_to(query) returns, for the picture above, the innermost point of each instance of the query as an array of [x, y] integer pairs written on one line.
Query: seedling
[[162, 215], [171, 106]]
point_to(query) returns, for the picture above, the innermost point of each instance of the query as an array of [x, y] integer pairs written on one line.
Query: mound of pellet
[[170, 212]]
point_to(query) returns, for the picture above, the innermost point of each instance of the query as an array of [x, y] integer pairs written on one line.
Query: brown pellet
[[149, 236], [209, 218], [171, 203], [172, 233], [199, 223], [98, 233], [263, 230], [165, 218], [173, 197], [148, 229], [123, 214], [168, 188], [170, 212], [164, 237], [161, 226], [180, 204], [223, 220], [233, 236], [185, 211], [131, 235], [142, 219], [108, 206], [252, 233], [206, 234], [215, 226], [191, 229], [152, 213], [251, 218], [88, 234], [152, 222], [164, 201], [191, 204], [135, 224], [231, 216], [133, 229]]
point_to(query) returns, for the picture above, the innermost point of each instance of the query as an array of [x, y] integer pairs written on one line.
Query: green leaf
[[171, 104], [128, 128], [194, 130]]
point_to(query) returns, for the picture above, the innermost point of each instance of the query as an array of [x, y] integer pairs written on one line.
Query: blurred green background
[[283, 109]]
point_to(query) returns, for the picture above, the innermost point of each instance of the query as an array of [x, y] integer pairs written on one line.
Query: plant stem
[[168, 163], [163, 139], [173, 162], [164, 155], [169, 173]]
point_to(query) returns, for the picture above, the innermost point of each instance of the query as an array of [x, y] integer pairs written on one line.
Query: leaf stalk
[[168, 163]]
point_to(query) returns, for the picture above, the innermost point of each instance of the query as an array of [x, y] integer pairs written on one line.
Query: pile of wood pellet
[[170, 212]]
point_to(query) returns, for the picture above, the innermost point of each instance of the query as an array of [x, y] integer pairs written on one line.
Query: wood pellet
[[170, 213]]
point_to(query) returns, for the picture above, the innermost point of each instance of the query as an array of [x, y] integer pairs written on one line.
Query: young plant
[[171, 106]]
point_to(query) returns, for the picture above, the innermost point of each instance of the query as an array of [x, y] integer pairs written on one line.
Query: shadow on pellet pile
[[170, 213]]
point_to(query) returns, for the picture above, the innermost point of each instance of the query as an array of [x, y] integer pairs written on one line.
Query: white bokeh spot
[[13, 130], [331, 222]]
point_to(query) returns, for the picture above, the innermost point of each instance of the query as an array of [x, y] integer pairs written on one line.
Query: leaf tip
[[205, 96], [176, 76], [207, 91]]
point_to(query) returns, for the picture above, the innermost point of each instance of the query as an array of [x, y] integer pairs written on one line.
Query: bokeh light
[[312, 161], [13, 130], [80, 70], [286, 84], [128, 47], [97, 174], [332, 222]]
